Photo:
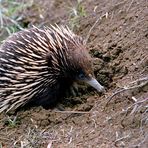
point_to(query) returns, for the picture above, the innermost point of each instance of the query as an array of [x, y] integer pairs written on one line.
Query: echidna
[[37, 66]]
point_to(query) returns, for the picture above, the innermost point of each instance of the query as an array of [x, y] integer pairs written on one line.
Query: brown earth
[[119, 44]]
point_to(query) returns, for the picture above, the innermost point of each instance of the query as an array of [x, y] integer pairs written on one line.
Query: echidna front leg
[[72, 90]]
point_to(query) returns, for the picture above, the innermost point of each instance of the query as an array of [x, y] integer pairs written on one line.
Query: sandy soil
[[118, 44]]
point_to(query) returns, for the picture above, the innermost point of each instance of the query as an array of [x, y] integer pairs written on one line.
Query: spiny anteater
[[38, 65]]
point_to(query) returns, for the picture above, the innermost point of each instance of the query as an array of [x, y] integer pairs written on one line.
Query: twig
[[130, 6], [139, 80], [139, 144], [144, 119], [13, 21], [133, 110], [128, 88], [88, 35], [122, 138], [72, 112], [1, 18], [49, 144]]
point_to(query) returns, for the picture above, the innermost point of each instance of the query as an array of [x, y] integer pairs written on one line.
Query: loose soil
[[118, 44]]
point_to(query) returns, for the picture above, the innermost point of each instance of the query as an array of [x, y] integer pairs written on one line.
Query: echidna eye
[[81, 76]]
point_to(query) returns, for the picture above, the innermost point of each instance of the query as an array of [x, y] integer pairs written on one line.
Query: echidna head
[[81, 68], [72, 56]]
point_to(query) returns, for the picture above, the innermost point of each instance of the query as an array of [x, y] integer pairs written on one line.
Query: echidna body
[[38, 65]]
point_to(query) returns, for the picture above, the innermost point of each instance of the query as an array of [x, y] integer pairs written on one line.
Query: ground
[[116, 32]]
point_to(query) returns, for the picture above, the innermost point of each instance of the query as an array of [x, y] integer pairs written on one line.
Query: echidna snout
[[37, 66]]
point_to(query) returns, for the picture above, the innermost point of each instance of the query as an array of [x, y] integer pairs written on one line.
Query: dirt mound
[[118, 42]]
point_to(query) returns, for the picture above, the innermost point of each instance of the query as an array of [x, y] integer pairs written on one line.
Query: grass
[[76, 13], [10, 17], [11, 122]]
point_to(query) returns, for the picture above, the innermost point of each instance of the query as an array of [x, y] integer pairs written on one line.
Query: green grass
[[12, 122], [10, 16], [76, 13]]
